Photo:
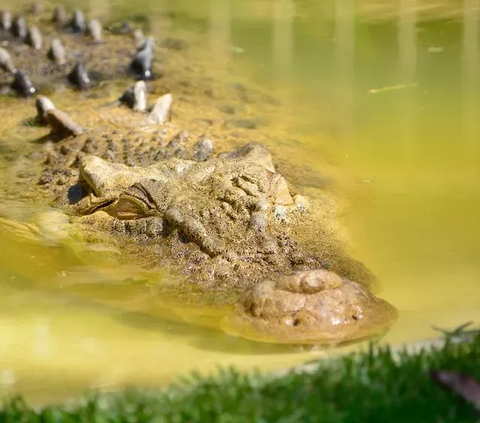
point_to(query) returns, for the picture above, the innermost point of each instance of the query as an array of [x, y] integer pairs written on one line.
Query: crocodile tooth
[[141, 64], [62, 124], [79, 77], [95, 30], [5, 20], [59, 15], [34, 37], [6, 61], [161, 110], [135, 97], [77, 23], [43, 105], [19, 27], [22, 84], [56, 53]]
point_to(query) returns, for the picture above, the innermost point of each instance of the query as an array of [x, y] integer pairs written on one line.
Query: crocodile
[[157, 189]]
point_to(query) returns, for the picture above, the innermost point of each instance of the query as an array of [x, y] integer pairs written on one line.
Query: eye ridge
[[130, 207], [100, 206], [145, 196]]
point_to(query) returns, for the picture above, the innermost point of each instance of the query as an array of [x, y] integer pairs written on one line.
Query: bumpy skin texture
[[104, 61], [216, 221], [225, 221], [315, 306], [136, 156], [213, 219], [136, 144]]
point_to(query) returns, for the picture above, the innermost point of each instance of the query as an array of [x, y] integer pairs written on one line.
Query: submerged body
[[226, 221]]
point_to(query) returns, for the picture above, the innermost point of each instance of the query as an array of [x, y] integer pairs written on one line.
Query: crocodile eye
[[135, 203], [128, 208]]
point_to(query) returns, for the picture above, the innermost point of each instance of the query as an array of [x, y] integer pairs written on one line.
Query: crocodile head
[[220, 222], [230, 224]]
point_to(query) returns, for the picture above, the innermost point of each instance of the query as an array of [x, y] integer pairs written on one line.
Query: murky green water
[[392, 104]]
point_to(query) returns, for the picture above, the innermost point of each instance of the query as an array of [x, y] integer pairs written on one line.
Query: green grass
[[363, 387]]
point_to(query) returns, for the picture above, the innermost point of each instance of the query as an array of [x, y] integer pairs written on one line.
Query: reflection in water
[[66, 326], [407, 52], [470, 84], [345, 57], [283, 39], [220, 35], [65, 329]]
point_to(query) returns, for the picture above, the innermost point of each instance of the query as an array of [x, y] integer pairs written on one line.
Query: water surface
[[384, 110]]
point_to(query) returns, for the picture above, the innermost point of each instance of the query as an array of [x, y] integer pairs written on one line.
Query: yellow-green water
[[392, 104]]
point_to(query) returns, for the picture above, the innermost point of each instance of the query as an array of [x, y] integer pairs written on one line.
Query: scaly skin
[[226, 222]]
